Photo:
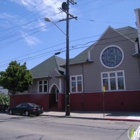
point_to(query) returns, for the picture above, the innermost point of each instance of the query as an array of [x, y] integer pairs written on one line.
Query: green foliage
[[4, 99], [16, 78]]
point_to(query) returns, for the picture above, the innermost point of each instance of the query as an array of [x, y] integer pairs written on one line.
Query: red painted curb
[[115, 119]]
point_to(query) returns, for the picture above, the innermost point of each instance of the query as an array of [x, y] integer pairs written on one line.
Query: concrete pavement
[[114, 116]]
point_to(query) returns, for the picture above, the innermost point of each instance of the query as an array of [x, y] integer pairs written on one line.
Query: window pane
[[73, 78], [45, 88], [120, 73], [40, 88], [40, 82], [112, 74], [79, 86], [45, 82], [73, 87], [113, 84], [120, 83], [79, 78], [105, 83], [105, 75], [19, 105]]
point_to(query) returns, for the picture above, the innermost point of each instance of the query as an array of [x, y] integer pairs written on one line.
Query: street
[[14, 127]]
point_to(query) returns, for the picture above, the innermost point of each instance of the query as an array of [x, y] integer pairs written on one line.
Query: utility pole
[[65, 8], [67, 64]]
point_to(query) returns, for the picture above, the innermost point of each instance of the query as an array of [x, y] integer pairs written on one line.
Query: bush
[[4, 99]]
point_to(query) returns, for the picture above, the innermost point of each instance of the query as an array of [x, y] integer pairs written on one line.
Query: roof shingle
[[45, 68]]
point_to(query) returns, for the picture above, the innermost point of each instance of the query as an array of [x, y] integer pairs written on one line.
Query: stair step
[[54, 108]]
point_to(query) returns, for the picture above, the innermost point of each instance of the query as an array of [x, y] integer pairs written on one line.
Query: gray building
[[110, 68]]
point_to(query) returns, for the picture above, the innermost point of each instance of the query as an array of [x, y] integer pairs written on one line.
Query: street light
[[67, 95], [48, 20]]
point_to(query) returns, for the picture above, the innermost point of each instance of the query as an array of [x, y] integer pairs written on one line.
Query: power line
[[11, 42], [72, 48], [94, 20], [99, 7], [86, 38], [14, 41], [25, 13], [86, 3], [3, 38], [18, 39]]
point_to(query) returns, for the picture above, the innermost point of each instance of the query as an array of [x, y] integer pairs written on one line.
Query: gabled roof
[[129, 32], [45, 68]]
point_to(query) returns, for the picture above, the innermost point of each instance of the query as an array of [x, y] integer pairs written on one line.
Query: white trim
[[52, 86], [138, 22], [109, 47], [89, 57], [136, 48], [76, 83], [124, 35], [116, 79], [53, 70], [99, 38], [137, 17], [42, 86], [60, 85], [109, 27], [56, 94]]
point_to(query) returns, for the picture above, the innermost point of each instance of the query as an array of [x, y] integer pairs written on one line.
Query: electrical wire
[[85, 38], [75, 40], [97, 7], [92, 20], [85, 3], [8, 37], [25, 13], [72, 48]]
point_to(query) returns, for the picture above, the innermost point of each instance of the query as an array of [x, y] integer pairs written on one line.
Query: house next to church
[[112, 64]]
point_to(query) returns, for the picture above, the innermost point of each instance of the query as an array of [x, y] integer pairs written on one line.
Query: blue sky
[[26, 37]]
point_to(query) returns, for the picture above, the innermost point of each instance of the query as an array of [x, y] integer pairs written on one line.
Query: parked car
[[3, 107], [26, 108]]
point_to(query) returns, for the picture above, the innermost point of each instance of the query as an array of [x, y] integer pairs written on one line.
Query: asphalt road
[[14, 127]]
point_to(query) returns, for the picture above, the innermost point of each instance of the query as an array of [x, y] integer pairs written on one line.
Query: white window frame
[[76, 83], [42, 86], [116, 80]]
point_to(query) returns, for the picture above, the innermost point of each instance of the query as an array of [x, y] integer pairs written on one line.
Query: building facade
[[108, 71]]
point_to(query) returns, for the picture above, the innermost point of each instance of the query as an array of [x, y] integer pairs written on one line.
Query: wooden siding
[[114, 101], [92, 72]]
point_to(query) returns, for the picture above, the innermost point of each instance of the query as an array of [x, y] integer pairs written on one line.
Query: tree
[[16, 78]]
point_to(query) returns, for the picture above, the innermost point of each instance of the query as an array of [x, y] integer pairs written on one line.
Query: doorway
[[54, 96]]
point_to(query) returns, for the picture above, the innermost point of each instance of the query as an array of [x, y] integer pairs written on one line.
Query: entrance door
[[54, 95]]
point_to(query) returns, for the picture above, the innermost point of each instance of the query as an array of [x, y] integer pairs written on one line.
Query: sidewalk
[[114, 116]]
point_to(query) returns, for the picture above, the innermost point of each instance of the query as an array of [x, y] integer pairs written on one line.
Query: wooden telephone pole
[[65, 8]]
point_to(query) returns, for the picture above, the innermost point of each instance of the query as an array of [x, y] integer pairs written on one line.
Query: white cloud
[[37, 11], [6, 16], [42, 25], [30, 40], [47, 8]]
